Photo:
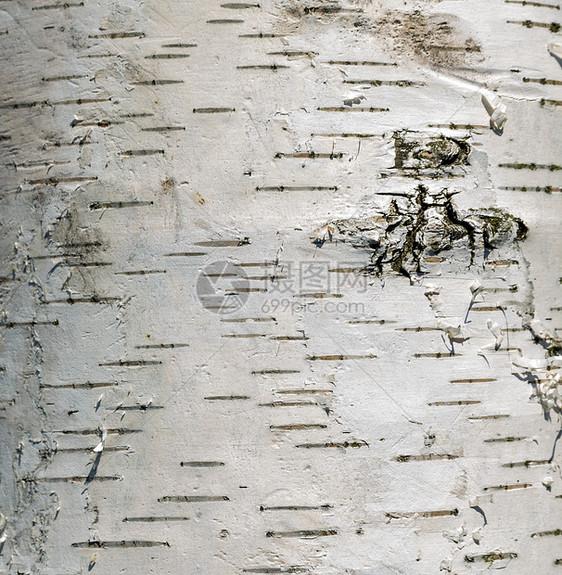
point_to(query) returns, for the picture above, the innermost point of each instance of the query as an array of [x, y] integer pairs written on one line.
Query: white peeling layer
[[496, 109], [555, 48]]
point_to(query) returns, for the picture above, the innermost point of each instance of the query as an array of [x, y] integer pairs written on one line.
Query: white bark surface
[[373, 390]]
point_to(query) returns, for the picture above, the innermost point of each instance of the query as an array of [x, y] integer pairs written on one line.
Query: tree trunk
[[280, 287]]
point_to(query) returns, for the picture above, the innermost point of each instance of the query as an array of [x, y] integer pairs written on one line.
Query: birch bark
[[280, 287]]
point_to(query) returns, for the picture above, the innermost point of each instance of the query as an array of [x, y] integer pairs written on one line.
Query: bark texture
[[280, 287]]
